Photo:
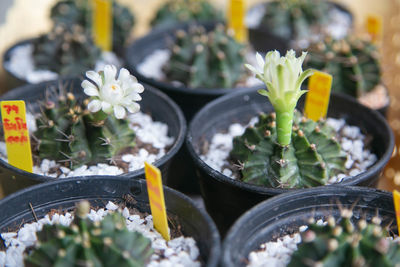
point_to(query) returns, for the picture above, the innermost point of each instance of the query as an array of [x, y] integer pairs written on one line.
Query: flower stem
[[284, 123]]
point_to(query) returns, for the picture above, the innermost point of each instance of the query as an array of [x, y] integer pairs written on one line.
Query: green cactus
[[176, 11], [88, 243], [65, 50], [70, 134], [309, 160], [209, 60], [79, 12], [295, 19], [353, 62], [346, 244], [285, 149]]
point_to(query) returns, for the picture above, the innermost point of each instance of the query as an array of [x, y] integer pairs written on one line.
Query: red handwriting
[[17, 126], [17, 139], [153, 188], [154, 203], [10, 108]]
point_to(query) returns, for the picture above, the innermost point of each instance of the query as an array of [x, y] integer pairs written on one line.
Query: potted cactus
[[69, 48], [201, 63], [77, 136], [334, 226], [296, 22], [354, 62], [177, 11], [282, 150], [54, 224]]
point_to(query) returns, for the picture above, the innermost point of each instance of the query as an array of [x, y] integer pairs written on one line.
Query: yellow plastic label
[[374, 27], [317, 99], [156, 197], [236, 17], [396, 200], [102, 24], [16, 134]]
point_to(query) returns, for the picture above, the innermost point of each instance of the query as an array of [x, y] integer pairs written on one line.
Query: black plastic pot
[[189, 99], [161, 107], [262, 38], [284, 214], [226, 199], [64, 194]]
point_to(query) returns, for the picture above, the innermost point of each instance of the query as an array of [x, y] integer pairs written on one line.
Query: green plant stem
[[284, 123]]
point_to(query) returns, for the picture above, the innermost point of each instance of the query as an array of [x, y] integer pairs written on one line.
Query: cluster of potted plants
[[248, 141]]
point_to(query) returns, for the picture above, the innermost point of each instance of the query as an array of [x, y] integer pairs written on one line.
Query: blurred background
[[21, 19]]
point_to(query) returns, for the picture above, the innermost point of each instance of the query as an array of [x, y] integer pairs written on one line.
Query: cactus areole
[[285, 149], [93, 130]]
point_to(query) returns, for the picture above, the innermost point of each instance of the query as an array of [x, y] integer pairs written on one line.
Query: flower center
[[112, 93]]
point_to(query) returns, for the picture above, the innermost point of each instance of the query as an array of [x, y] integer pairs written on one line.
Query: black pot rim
[[137, 173], [275, 201], [216, 246], [375, 169], [168, 86]]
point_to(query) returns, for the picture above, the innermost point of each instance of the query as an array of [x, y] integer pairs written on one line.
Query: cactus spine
[[175, 11], [353, 62], [346, 244], [88, 243], [209, 60]]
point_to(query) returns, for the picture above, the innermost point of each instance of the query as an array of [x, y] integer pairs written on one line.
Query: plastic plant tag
[[317, 99], [156, 198], [374, 27], [236, 17], [396, 200], [102, 24], [16, 134]]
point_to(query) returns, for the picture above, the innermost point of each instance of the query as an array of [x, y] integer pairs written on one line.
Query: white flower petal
[[138, 88], [119, 112], [110, 72], [94, 105], [89, 88], [106, 107], [133, 108], [260, 61], [123, 74], [95, 77]]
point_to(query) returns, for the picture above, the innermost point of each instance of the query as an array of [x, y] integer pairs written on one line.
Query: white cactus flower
[[110, 93], [283, 77]]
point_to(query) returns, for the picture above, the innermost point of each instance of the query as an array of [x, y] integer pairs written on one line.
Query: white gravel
[[147, 130], [181, 251], [22, 65], [277, 253], [152, 65], [352, 142]]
